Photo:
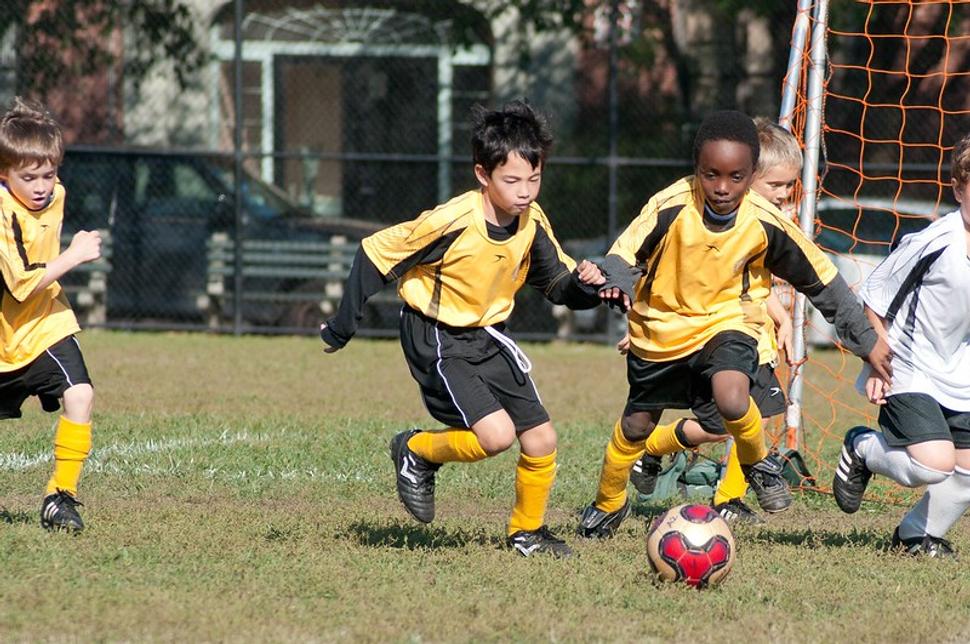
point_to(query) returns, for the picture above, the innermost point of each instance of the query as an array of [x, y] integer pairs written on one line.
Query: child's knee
[[539, 441], [932, 461], [933, 470], [734, 404], [79, 402], [497, 439], [637, 426], [695, 434]]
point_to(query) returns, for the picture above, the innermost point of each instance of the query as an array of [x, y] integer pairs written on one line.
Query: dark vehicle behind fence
[[163, 212]]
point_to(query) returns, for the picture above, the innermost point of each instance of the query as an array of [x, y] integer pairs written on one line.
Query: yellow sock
[[448, 446], [733, 485], [72, 444], [663, 440], [534, 476], [748, 437], [620, 456]]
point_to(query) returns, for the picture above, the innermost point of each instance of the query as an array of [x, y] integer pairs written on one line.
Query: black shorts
[[465, 375], [59, 368], [686, 383], [907, 419], [766, 392]]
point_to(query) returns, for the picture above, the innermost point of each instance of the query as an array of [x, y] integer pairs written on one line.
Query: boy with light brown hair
[[39, 354]]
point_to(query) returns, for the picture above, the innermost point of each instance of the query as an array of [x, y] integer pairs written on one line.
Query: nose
[[721, 187]]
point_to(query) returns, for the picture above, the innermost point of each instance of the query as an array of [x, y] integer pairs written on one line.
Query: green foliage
[[65, 38]]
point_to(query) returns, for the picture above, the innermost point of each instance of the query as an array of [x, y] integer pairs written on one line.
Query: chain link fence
[[342, 117]]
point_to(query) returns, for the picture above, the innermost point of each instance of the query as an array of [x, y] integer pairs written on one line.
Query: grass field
[[240, 489]]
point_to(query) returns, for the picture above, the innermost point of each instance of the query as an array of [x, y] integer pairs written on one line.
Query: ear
[[957, 192], [482, 175]]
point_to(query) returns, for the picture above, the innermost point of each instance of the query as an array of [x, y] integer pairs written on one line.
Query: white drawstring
[[518, 354]]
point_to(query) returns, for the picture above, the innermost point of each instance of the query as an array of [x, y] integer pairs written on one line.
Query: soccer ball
[[691, 543]]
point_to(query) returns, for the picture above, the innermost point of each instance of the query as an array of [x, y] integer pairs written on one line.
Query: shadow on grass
[[20, 516], [822, 538], [650, 510], [413, 537]]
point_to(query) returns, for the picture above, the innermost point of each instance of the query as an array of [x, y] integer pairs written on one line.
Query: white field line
[[101, 461], [262, 473], [19, 461]]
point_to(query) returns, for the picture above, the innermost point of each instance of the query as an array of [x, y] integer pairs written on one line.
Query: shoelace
[[548, 536], [939, 544], [518, 354], [67, 497]]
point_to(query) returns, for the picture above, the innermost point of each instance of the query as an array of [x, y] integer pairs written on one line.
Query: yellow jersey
[[458, 270], [691, 283], [30, 322], [451, 270]]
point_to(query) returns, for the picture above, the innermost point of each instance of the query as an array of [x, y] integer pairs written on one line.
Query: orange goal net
[[894, 97]]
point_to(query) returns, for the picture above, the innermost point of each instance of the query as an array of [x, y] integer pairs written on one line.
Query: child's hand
[[623, 346], [85, 246], [880, 359], [876, 389], [616, 297], [589, 273], [328, 348], [784, 334]]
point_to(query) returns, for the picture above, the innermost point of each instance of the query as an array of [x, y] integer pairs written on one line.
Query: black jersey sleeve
[[366, 279], [363, 282], [796, 259], [552, 276]]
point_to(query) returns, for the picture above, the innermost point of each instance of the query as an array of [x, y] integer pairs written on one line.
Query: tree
[[72, 54], [59, 39]]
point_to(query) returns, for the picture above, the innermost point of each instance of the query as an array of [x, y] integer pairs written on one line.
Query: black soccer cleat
[[596, 524], [541, 541], [769, 485], [925, 545], [59, 512], [644, 474], [737, 511], [415, 478], [851, 476]]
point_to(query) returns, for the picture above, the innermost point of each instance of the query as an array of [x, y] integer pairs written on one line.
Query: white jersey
[[922, 290]]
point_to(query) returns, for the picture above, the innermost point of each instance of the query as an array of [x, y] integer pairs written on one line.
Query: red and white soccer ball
[[691, 543]]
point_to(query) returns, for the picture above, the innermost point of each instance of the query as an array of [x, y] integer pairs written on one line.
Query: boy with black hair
[[694, 269], [918, 298], [39, 355], [779, 164], [458, 267]]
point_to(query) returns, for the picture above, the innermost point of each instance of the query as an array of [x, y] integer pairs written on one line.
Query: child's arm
[[793, 257], [876, 387], [85, 247], [381, 259], [783, 325], [23, 278], [622, 264], [557, 276], [363, 282]]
